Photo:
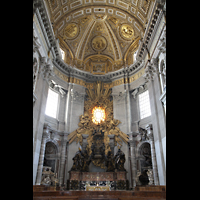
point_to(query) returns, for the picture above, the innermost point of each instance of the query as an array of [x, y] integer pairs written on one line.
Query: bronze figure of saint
[[109, 163], [77, 161], [120, 160], [85, 161]]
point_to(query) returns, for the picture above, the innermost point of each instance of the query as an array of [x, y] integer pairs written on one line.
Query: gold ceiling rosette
[[98, 120]]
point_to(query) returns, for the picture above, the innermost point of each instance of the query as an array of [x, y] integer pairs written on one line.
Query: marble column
[[62, 160], [153, 153], [132, 143], [46, 134]]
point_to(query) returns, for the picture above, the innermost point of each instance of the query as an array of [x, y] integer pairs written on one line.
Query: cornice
[[40, 10], [87, 76], [150, 32]]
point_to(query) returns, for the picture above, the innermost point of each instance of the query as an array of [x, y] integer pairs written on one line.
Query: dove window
[[52, 104], [98, 115], [144, 104]]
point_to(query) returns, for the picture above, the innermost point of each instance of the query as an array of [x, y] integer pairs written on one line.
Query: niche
[[144, 162], [50, 156]]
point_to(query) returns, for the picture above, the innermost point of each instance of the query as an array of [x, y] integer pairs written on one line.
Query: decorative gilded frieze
[[106, 85]]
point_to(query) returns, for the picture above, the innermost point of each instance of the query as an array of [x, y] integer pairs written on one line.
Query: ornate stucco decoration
[[36, 43], [56, 15], [57, 88], [151, 69], [98, 97], [46, 68], [139, 90], [87, 29]]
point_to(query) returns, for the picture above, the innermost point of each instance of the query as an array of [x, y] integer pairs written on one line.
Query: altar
[[97, 181]]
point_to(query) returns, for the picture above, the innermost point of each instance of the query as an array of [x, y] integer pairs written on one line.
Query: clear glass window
[[52, 104], [144, 104]]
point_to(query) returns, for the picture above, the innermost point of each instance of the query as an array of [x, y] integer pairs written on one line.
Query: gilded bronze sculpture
[[82, 160], [120, 160], [109, 163], [85, 162], [77, 161], [98, 124]]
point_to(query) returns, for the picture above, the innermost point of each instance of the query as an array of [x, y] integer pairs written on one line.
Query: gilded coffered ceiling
[[99, 36]]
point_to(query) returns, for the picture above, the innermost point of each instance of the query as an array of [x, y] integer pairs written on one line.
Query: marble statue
[[150, 176]]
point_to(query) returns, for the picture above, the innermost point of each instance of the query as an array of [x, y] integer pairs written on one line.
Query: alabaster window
[[62, 53], [144, 104], [52, 104]]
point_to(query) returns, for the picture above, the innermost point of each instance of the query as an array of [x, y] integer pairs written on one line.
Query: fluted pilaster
[[153, 153], [62, 161], [132, 143], [46, 134]]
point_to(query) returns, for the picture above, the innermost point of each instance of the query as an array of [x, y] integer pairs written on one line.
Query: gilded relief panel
[[114, 24], [72, 32], [99, 42]]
